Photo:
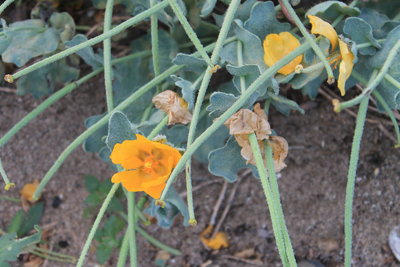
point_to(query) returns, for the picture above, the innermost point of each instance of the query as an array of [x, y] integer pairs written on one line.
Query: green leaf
[[330, 10], [252, 51], [174, 206], [64, 23], [227, 161], [16, 222], [263, 20], [219, 103], [43, 81], [32, 217], [119, 129], [91, 183], [103, 253], [29, 39], [207, 8], [10, 247], [359, 31], [379, 58], [284, 105], [96, 141], [191, 63], [187, 90], [87, 54]]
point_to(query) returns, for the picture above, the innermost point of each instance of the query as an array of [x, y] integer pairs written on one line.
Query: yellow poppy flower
[[277, 46], [345, 67], [319, 26], [147, 165]]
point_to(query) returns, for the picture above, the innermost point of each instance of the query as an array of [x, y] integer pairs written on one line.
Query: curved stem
[[189, 31], [158, 128], [5, 5], [116, 30], [229, 112], [96, 223], [107, 55], [132, 228], [61, 93], [157, 243], [310, 40], [382, 74], [123, 251], [269, 195], [5, 177]]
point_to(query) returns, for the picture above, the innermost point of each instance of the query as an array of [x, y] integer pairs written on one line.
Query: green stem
[[364, 45], [341, 16], [123, 251], [382, 74], [157, 243], [158, 128], [154, 41], [270, 201], [61, 93], [229, 15], [107, 55], [189, 31], [239, 50], [56, 254], [131, 228], [229, 112], [116, 30], [5, 5], [5, 177], [351, 175], [383, 103], [277, 203], [310, 40], [128, 101], [49, 257], [96, 223], [12, 199]]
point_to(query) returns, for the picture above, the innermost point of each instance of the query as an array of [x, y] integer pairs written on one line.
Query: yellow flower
[[319, 26], [345, 67], [277, 46], [147, 165], [28, 190]]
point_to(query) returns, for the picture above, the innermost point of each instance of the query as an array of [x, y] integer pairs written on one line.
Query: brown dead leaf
[[33, 261], [245, 122], [216, 242], [250, 255], [280, 149], [163, 255], [174, 106]]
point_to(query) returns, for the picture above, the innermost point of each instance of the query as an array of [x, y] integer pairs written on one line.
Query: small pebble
[[56, 202], [394, 241], [63, 244]]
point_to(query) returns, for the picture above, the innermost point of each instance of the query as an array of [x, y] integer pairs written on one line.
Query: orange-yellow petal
[[131, 180], [28, 190], [345, 67], [277, 46], [320, 26], [155, 191]]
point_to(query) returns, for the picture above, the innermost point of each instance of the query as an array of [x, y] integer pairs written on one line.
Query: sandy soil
[[312, 187]]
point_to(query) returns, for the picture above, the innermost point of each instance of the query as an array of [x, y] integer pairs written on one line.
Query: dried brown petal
[[280, 149], [175, 107]]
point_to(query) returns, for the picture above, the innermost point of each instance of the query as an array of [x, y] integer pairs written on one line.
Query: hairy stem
[[132, 228], [107, 55]]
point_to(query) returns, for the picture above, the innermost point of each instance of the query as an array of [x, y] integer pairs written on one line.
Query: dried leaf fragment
[[245, 122], [174, 106], [28, 190], [280, 149], [215, 242]]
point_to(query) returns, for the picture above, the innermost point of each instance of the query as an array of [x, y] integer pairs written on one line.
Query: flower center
[[150, 163]]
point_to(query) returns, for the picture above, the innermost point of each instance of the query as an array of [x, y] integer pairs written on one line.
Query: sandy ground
[[312, 188]]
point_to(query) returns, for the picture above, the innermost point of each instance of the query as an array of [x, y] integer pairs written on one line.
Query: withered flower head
[[174, 106]]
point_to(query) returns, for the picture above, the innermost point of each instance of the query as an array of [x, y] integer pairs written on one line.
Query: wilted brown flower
[[174, 105]]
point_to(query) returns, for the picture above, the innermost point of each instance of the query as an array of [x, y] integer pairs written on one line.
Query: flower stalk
[[108, 72]]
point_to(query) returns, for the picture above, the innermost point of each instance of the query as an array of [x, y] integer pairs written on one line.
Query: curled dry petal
[[320, 26], [174, 106], [280, 149], [215, 242], [28, 190], [345, 67], [277, 46]]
